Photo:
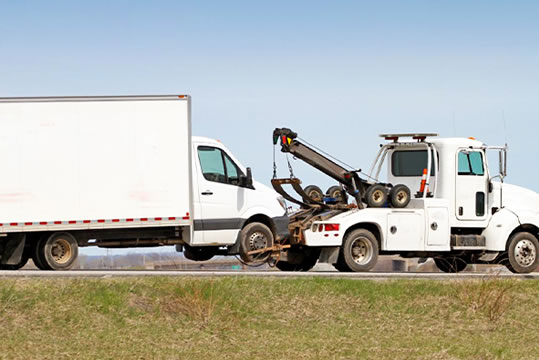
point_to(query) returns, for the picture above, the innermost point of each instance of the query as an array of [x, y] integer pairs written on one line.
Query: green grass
[[247, 318]]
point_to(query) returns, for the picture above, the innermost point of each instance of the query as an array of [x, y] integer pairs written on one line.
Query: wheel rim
[[402, 197], [361, 250], [315, 195], [377, 196], [258, 241], [61, 251], [525, 253]]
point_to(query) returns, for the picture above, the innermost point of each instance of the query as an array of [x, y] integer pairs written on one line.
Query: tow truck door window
[[471, 185]]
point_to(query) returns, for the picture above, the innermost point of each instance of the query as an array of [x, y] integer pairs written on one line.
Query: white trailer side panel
[[94, 159]]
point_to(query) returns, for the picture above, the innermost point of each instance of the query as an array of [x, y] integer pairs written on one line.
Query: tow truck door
[[471, 185]]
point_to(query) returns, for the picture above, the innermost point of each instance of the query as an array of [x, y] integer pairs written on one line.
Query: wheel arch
[[531, 228], [374, 228], [260, 218]]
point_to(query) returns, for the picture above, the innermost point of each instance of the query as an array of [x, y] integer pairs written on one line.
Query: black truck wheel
[[314, 192], [200, 253], [451, 264], [255, 239], [56, 252], [359, 251], [399, 196], [522, 251], [337, 193], [376, 196]]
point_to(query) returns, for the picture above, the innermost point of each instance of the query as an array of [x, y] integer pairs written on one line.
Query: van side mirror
[[247, 180]]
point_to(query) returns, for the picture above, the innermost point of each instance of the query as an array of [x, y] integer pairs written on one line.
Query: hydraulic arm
[[349, 178]]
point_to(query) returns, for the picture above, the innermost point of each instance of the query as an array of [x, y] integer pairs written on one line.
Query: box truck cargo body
[[120, 172]]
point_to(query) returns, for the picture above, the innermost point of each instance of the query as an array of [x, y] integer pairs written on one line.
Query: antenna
[[504, 126]]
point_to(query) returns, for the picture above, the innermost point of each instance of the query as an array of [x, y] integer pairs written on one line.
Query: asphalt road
[[276, 274]]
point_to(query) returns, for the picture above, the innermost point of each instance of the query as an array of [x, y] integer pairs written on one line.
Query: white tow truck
[[459, 215]]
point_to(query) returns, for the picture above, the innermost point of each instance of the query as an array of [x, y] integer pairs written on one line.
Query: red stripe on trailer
[[143, 219], [42, 223], [58, 222], [27, 223], [86, 221], [129, 220], [185, 218], [172, 218], [72, 221], [158, 219], [100, 221], [13, 224], [115, 220]]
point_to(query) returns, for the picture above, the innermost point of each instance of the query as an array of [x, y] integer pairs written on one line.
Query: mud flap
[[13, 249]]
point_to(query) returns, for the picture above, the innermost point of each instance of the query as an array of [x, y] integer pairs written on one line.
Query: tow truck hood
[[519, 198]]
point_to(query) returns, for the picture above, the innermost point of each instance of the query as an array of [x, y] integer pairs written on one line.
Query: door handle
[[207, 192]]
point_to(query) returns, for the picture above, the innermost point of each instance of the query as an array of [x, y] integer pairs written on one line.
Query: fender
[[503, 223]]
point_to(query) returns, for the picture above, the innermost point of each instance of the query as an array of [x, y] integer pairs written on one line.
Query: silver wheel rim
[[315, 195], [525, 253], [361, 250]]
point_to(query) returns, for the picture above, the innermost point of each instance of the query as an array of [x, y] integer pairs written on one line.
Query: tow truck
[[460, 214]]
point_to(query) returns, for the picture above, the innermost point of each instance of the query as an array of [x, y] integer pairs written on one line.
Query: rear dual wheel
[[359, 252], [56, 252]]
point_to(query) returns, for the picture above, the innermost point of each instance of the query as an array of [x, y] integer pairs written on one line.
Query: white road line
[[276, 274]]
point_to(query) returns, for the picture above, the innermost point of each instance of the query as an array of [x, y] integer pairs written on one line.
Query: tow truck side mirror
[[247, 180]]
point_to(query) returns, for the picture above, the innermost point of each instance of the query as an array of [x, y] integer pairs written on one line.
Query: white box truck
[[123, 172]]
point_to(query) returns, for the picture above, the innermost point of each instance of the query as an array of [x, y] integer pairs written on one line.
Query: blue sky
[[339, 73]]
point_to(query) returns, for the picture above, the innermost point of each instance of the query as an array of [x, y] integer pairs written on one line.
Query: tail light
[[331, 227]]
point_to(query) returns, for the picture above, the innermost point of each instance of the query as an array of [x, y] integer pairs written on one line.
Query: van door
[[471, 185], [220, 198]]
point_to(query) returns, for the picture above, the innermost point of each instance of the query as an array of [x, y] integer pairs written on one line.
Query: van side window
[[470, 163], [232, 171], [217, 166], [211, 162]]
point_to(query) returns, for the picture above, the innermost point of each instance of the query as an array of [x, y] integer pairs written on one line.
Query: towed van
[[123, 171]]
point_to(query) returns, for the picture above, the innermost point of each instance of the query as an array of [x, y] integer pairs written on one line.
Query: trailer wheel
[[522, 251], [24, 260], [376, 196], [337, 193], [198, 253], [359, 251], [56, 252], [314, 192], [400, 196], [452, 264], [307, 263], [255, 237]]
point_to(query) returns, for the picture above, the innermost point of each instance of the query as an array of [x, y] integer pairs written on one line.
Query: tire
[[522, 252], [314, 192], [255, 236], [376, 196], [286, 266], [451, 264], [24, 260], [400, 196], [337, 193], [198, 253], [359, 251], [309, 258], [56, 252]]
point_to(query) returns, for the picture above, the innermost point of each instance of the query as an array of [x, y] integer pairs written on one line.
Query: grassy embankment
[[245, 318]]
